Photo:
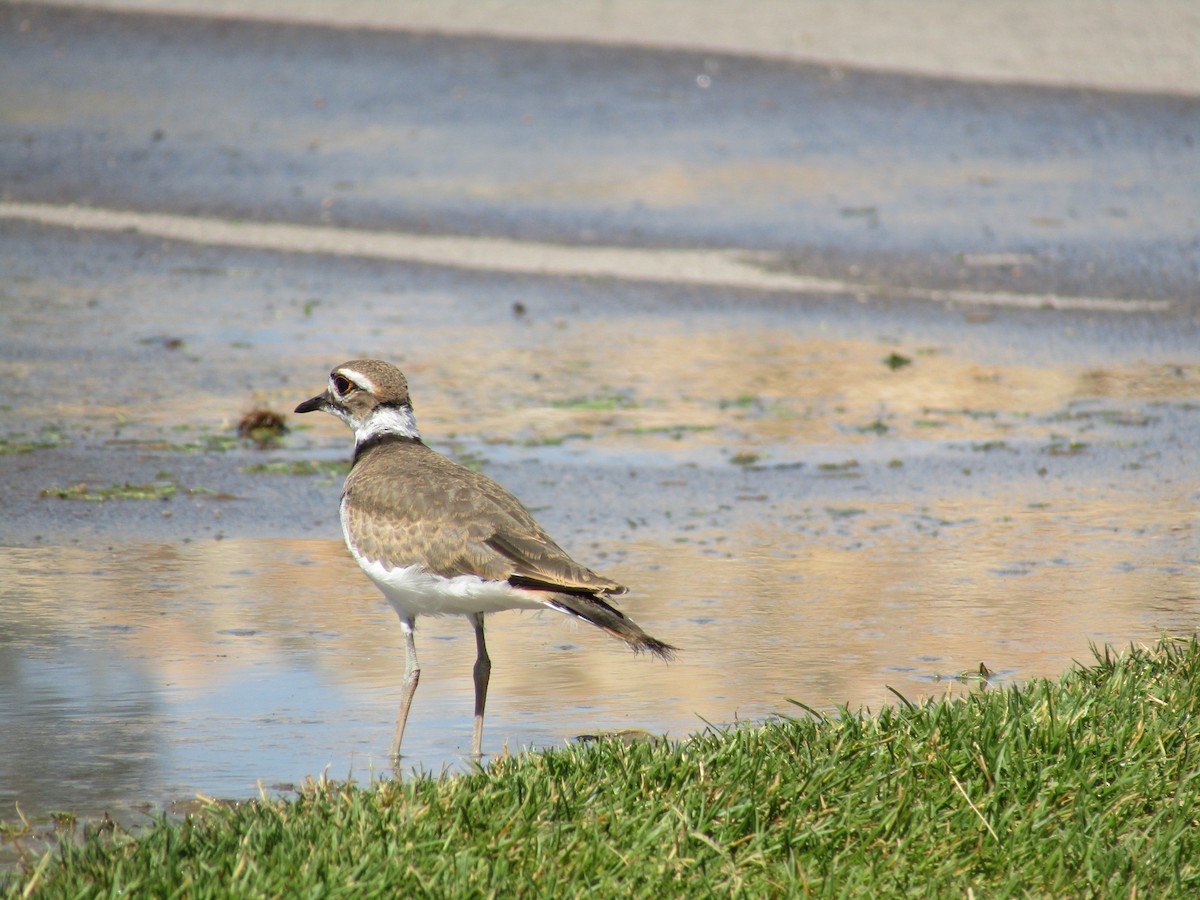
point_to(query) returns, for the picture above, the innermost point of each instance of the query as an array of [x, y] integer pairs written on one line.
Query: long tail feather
[[603, 615]]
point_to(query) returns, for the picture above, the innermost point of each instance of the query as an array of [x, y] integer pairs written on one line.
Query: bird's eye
[[342, 385]]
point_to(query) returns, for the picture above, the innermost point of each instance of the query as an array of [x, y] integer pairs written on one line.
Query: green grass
[[46, 439], [300, 467], [675, 432], [1088, 786], [597, 403], [745, 459], [847, 469], [556, 440], [1063, 447], [205, 443], [164, 488], [126, 491]]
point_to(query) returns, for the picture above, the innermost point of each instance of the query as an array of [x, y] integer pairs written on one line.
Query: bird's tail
[[602, 614]]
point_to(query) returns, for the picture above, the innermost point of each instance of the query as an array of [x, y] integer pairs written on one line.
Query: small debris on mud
[[263, 426]]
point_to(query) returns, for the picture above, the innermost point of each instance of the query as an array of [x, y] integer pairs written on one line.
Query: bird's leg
[[483, 672], [412, 674]]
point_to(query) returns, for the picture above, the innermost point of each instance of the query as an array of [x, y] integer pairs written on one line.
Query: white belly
[[413, 591]]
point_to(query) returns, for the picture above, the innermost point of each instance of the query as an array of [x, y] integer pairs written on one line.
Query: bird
[[440, 539]]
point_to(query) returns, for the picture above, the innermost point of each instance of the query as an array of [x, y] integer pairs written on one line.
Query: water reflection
[[158, 670]]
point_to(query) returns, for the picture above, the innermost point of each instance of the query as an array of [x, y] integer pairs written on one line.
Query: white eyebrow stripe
[[357, 377]]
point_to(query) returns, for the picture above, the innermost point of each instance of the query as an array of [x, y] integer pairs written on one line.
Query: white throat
[[384, 420]]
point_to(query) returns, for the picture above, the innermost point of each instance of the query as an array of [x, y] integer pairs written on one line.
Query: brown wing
[[407, 504]]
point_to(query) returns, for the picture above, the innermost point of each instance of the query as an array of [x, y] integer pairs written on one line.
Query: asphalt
[[916, 182]]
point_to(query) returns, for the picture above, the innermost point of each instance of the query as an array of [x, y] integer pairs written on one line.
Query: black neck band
[[378, 440]]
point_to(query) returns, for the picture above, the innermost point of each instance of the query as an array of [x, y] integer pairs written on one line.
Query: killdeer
[[439, 539]]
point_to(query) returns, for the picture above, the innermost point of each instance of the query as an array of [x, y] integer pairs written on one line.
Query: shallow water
[[144, 674]]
